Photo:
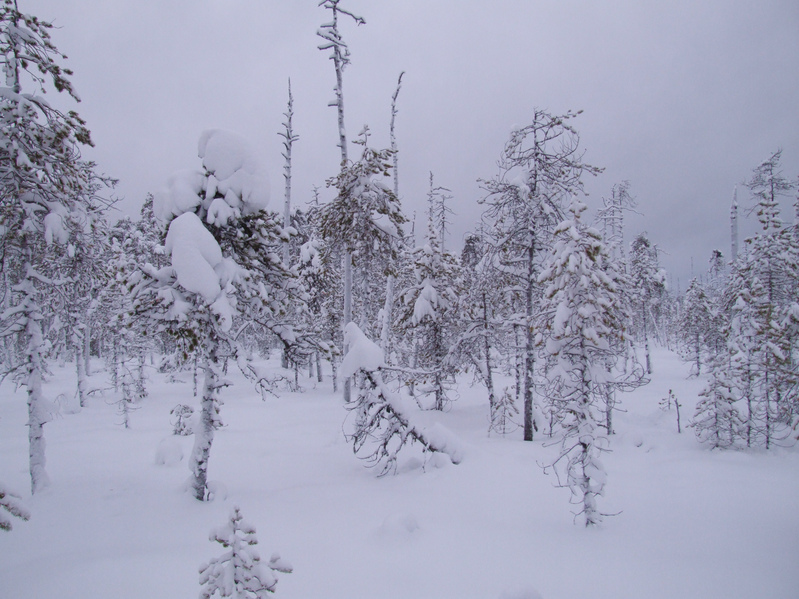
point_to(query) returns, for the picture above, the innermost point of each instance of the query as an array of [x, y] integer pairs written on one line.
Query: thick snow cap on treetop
[[236, 184]]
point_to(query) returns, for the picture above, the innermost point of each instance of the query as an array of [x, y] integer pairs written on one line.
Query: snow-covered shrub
[[181, 421], [169, 452], [9, 502], [239, 572], [503, 414]]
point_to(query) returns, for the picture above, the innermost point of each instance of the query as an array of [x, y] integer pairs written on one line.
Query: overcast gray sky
[[683, 98]]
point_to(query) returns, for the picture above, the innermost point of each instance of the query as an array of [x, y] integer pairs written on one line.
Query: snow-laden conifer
[[428, 314], [340, 56], [582, 317], [364, 222], [239, 573], [225, 262], [541, 165], [48, 193], [482, 334], [717, 420], [695, 322], [762, 291], [647, 287]]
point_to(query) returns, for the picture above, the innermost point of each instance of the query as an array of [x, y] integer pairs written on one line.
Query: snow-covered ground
[[116, 523]]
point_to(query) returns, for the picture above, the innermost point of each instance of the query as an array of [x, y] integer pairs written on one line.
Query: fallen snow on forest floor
[[116, 521]]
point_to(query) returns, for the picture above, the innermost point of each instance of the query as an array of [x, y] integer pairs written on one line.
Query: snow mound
[[446, 442], [398, 525], [363, 353], [440, 460], [169, 452], [216, 491], [67, 403]]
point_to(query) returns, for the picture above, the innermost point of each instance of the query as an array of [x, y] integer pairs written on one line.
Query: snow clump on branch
[[234, 184]]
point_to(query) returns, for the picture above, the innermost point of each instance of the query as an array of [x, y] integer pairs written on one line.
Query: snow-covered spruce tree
[[715, 337], [695, 321], [225, 263], [482, 312], [86, 266], [321, 278], [647, 288], [540, 166], [46, 191], [717, 421], [611, 218], [364, 222], [429, 308], [383, 422], [127, 340], [581, 317], [239, 573], [762, 292]]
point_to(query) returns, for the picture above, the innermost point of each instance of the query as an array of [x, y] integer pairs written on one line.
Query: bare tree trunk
[[37, 416], [347, 313], [340, 57], [209, 420], [80, 366], [385, 332], [529, 349], [288, 141], [489, 374], [87, 346]]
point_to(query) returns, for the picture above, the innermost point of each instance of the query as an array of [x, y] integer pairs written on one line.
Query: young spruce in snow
[[239, 572], [582, 317]]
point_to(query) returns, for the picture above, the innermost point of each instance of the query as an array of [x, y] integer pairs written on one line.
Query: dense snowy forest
[[542, 329]]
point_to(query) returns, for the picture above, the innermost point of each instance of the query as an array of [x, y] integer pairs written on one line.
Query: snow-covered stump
[[382, 416], [239, 572]]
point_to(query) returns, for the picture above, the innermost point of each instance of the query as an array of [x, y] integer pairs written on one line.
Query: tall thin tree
[[340, 55]]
